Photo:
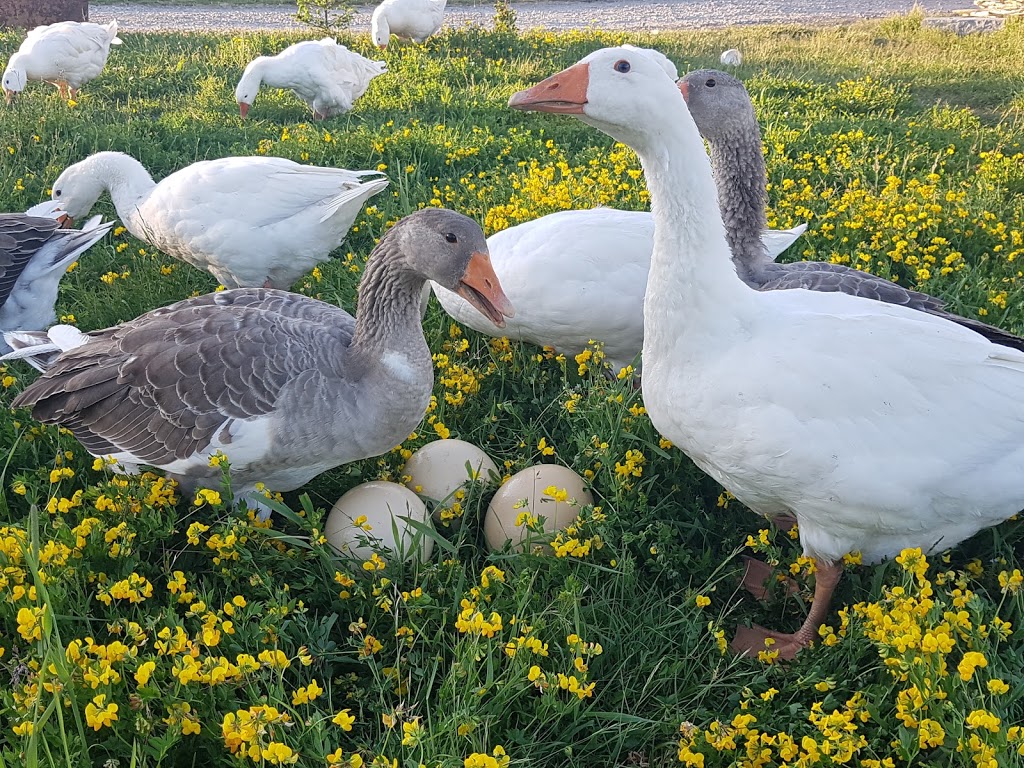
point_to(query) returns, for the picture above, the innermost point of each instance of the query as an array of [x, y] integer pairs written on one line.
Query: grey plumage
[[34, 254], [285, 385], [724, 114]]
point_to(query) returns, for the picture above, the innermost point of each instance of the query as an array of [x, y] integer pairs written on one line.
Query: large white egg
[[384, 505], [525, 491], [439, 469]]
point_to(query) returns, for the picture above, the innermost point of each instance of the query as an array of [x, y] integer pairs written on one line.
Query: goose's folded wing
[[21, 237], [836, 278], [162, 387]]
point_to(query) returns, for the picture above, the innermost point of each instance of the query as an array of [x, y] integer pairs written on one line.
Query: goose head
[[450, 249], [249, 85], [719, 105], [620, 91], [76, 190], [14, 81], [380, 30]]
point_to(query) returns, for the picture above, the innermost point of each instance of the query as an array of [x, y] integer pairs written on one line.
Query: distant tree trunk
[[32, 13]]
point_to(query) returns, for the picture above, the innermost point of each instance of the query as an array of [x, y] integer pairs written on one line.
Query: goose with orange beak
[[284, 385], [880, 428]]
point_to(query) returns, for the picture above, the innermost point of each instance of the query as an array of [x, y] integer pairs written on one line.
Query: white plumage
[[67, 54], [414, 20], [250, 221], [327, 76], [731, 57], [574, 276]]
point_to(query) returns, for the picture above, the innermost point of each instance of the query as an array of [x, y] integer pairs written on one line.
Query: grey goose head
[[450, 249], [719, 105]]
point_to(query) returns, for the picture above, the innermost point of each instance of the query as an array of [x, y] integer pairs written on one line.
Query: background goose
[[67, 54], [877, 426], [285, 386], [250, 221], [574, 276], [34, 255], [327, 76], [414, 20], [724, 114]]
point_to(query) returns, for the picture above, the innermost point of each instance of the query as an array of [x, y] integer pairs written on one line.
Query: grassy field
[[138, 628]]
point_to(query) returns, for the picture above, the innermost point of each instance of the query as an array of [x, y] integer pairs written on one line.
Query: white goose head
[[623, 92]]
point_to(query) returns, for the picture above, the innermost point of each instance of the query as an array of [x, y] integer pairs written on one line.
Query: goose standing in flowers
[[283, 385], [34, 255], [67, 54], [414, 20], [327, 76], [724, 115], [878, 427], [250, 221]]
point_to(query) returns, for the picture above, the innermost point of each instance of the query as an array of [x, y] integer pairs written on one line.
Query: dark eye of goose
[[621, 66], [56, 193], [450, 237], [710, 82]]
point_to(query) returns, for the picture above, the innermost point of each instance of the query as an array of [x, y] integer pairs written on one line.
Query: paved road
[[567, 14]]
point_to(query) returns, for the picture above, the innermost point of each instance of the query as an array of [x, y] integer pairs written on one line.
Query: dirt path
[[568, 14]]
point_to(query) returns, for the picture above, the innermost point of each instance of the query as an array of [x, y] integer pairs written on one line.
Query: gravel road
[[567, 14]]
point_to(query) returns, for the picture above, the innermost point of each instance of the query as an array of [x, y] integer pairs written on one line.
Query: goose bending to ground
[[283, 385], [414, 20], [327, 76], [67, 54], [250, 221], [578, 275], [34, 255], [724, 114], [876, 426]]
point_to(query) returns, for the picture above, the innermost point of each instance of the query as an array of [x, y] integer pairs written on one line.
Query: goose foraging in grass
[[250, 221], [876, 426], [67, 54], [724, 115], [34, 255], [284, 385], [414, 20], [327, 76]]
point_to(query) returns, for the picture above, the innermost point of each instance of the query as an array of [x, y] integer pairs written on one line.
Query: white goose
[[250, 221], [414, 20], [34, 255], [574, 276], [877, 426], [67, 54], [284, 385], [327, 76]]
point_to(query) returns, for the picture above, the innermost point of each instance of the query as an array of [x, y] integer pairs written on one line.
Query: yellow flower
[[144, 672], [99, 714], [412, 733], [277, 753], [206, 496], [971, 661], [703, 601], [930, 734], [308, 693], [344, 719], [544, 448], [997, 686]]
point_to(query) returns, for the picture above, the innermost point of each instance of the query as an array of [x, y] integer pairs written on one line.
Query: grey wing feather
[[21, 237], [162, 385]]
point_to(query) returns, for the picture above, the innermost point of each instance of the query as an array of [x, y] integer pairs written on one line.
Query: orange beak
[[563, 94], [243, 108], [480, 287], [684, 88], [65, 221], [9, 96]]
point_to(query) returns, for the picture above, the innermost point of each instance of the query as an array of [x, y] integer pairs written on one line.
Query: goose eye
[[622, 66], [710, 82], [56, 193], [451, 238]]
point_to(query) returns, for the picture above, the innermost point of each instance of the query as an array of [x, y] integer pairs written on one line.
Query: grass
[[900, 146]]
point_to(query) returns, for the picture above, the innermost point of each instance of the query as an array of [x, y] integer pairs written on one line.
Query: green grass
[[878, 128]]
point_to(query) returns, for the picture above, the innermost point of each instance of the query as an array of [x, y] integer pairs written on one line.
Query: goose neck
[[388, 312], [127, 181], [741, 179]]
